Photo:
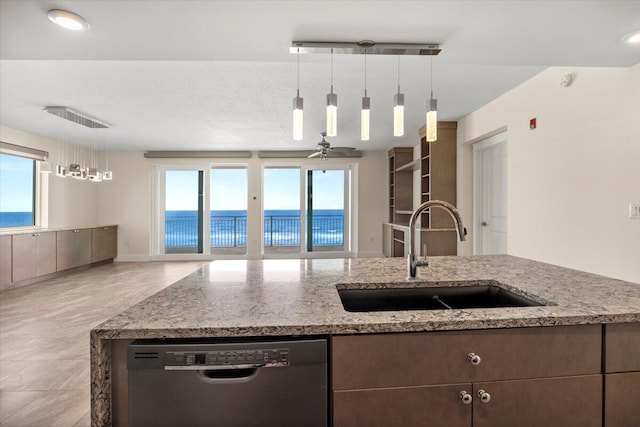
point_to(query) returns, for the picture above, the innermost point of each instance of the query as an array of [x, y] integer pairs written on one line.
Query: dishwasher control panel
[[245, 358]]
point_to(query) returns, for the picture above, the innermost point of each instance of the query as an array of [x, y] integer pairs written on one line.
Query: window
[[17, 191]]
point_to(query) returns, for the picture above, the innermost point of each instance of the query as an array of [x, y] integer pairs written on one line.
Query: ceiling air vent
[[76, 117]]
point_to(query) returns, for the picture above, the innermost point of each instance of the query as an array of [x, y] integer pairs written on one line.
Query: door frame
[[158, 183], [477, 149]]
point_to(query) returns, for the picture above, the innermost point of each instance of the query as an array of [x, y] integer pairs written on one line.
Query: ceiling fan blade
[[316, 154], [342, 148]]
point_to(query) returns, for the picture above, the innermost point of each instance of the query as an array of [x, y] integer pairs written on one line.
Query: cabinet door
[[622, 341], [550, 402], [406, 407], [622, 400], [5, 260], [104, 243], [73, 248], [45, 253], [24, 256]]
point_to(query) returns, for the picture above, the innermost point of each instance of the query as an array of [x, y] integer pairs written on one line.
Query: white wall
[[570, 180], [69, 202], [127, 200]]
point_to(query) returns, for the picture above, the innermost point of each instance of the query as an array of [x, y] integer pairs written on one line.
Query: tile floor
[[44, 337]]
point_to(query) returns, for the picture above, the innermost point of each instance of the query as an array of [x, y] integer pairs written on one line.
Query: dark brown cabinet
[[517, 368], [73, 248], [5, 261], [34, 255], [622, 375], [104, 243]]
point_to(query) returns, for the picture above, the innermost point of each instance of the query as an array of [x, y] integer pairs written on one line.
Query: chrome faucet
[[412, 262]]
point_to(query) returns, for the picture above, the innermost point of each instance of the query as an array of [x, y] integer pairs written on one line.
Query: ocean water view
[[16, 219], [228, 228]]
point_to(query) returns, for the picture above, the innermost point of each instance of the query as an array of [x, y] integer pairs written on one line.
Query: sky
[[229, 190], [16, 184]]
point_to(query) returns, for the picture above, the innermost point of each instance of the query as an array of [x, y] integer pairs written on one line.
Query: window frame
[[36, 185]]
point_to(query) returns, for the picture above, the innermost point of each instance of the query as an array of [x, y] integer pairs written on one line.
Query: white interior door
[[490, 206]]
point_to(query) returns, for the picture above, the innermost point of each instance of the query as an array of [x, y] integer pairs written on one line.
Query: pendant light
[[398, 109], [432, 113], [298, 109], [332, 107], [107, 174], [365, 113]]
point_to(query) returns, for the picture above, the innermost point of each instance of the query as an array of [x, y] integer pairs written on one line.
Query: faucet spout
[[412, 264]]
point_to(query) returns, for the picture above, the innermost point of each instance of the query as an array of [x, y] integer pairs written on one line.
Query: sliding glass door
[[184, 211], [325, 208], [228, 207], [306, 210]]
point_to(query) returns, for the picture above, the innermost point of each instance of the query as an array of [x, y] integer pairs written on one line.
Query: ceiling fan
[[323, 148]]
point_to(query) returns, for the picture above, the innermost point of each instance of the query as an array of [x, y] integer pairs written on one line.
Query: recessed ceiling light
[[632, 37], [68, 20]]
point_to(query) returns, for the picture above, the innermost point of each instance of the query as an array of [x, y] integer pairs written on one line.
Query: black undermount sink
[[432, 298]]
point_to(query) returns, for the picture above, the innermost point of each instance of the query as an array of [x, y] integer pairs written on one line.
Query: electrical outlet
[[634, 210]]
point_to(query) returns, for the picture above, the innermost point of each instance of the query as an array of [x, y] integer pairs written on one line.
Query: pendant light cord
[[431, 77], [365, 73], [331, 70], [398, 73], [298, 87]]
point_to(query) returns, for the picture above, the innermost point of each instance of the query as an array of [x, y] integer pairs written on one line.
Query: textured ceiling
[[210, 75]]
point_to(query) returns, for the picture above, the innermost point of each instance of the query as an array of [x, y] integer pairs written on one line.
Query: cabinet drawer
[[622, 347], [549, 402], [411, 359], [406, 407]]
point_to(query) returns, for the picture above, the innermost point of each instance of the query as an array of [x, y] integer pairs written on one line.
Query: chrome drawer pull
[[484, 396], [474, 359], [466, 397]]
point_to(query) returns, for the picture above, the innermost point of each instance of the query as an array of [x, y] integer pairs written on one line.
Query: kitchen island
[[298, 298]]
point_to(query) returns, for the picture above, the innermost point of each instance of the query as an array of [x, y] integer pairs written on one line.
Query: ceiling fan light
[[398, 114], [68, 20]]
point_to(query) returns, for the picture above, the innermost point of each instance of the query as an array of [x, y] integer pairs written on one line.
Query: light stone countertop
[[299, 297], [13, 231]]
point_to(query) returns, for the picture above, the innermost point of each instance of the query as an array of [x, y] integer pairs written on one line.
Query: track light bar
[[76, 117], [368, 46]]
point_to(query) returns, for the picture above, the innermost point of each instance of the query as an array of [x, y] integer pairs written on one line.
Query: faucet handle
[[423, 262]]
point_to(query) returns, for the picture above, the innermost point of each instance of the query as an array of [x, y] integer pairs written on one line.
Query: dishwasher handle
[[234, 375], [215, 367]]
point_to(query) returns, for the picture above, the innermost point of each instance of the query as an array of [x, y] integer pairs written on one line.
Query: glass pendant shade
[[432, 120], [365, 117], [74, 170], [107, 175], [332, 113], [398, 114], [298, 114], [61, 171]]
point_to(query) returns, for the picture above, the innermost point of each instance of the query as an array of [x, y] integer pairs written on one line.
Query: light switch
[[634, 210]]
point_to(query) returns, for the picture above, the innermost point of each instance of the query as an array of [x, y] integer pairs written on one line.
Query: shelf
[[409, 167]]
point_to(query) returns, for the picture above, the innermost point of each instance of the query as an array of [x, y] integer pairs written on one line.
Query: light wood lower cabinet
[[73, 248], [5, 261], [104, 243], [521, 369], [34, 255]]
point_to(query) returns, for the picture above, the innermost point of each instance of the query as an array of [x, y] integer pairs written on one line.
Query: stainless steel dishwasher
[[274, 383]]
